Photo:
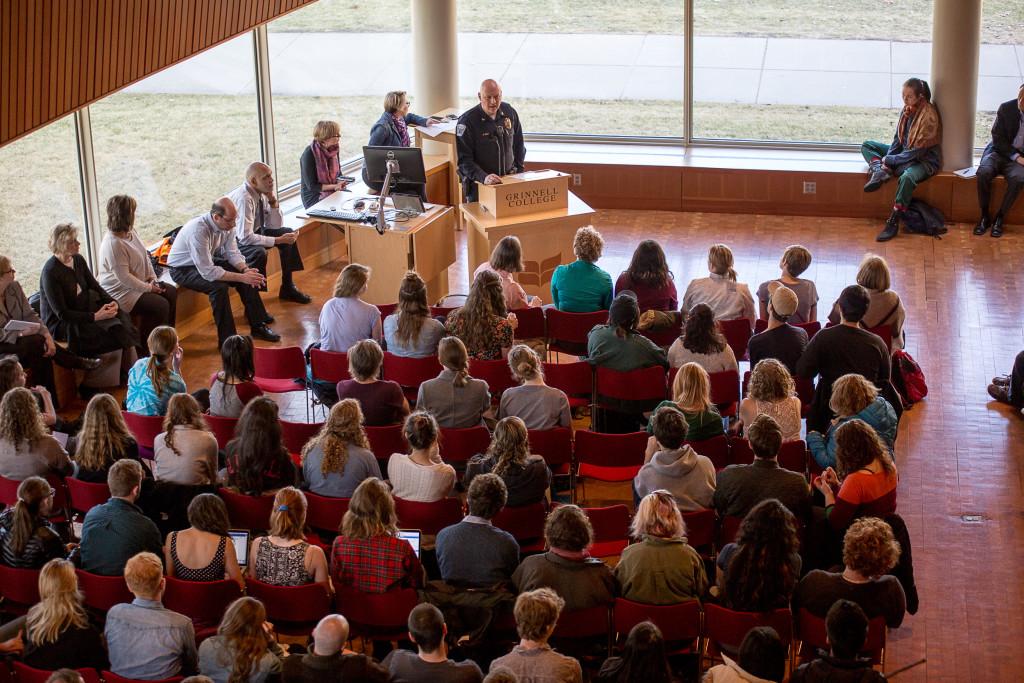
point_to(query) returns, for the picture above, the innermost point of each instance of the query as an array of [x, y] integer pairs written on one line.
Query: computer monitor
[[240, 539], [410, 165], [413, 537]]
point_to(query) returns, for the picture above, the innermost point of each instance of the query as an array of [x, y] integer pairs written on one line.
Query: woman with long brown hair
[[701, 342], [283, 557], [203, 552], [186, 451], [864, 485], [233, 387], [345, 318], [338, 458], [410, 331], [26, 449], [154, 379], [245, 649], [455, 399], [257, 460], [527, 477], [27, 539], [649, 277], [104, 440], [484, 324], [759, 571]]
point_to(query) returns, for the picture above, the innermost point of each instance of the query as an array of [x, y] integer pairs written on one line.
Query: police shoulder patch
[[460, 129]]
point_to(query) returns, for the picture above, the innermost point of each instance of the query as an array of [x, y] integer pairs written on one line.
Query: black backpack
[[924, 219]]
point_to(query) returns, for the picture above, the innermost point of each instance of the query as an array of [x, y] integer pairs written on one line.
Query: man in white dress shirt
[[205, 257], [259, 229]]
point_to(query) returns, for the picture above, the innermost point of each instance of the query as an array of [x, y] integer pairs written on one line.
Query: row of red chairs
[[22, 673]]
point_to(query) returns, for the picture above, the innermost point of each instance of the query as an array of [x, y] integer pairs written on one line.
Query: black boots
[[983, 225], [892, 227], [997, 226]]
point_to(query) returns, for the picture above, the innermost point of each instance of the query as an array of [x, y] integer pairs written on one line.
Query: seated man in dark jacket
[[474, 552], [847, 629], [1004, 155], [328, 661]]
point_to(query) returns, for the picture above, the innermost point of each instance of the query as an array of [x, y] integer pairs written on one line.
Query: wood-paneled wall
[[57, 56]]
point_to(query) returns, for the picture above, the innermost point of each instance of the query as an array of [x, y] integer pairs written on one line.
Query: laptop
[[408, 202], [240, 539], [413, 537]]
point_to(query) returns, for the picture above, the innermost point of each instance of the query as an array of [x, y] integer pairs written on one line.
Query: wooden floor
[[959, 454]]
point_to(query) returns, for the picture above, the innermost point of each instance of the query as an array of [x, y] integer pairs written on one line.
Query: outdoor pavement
[[858, 73]]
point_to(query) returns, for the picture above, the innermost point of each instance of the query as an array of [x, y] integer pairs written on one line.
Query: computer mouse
[[358, 206]]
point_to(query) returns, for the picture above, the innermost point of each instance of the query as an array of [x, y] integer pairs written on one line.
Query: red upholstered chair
[[717, 448], [725, 391], [611, 529], [645, 385], [496, 373], [526, 523], [884, 332], [459, 445], [328, 366], [386, 309], [728, 530], [144, 428], [567, 332], [280, 370], [429, 518], [23, 673], [293, 610], [100, 593], [609, 457], [737, 333], [584, 625], [84, 496], [381, 616], [666, 336], [386, 440], [679, 623], [296, 434], [555, 445], [724, 629], [203, 602], [575, 379], [812, 328], [9, 491], [111, 677], [805, 390], [410, 373], [441, 311], [324, 513], [247, 512], [19, 588], [531, 323], [223, 428], [810, 631], [700, 530]]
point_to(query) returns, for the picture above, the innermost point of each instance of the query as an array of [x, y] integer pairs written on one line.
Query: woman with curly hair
[[410, 331], [26, 449], [701, 342], [27, 539], [186, 451], [484, 324], [865, 483], [582, 286], [854, 398], [455, 399], [338, 458], [759, 571], [527, 477], [727, 298], [421, 475], [691, 395], [257, 460], [772, 392], [870, 551], [245, 649], [649, 278], [283, 557], [104, 440]]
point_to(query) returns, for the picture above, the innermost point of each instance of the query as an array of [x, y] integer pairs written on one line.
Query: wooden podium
[[536, 207]]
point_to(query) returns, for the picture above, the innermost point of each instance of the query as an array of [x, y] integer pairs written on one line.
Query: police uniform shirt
[[489, 145]]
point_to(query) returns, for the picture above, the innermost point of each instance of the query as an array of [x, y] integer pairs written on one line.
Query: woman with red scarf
[[320, 165]]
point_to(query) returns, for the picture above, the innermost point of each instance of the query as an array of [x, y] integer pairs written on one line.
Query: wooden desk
[[445, 147], [546, 237], [425, 244]]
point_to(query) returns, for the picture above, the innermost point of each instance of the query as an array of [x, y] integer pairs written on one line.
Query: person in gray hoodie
[[854, 398], [671, 464]]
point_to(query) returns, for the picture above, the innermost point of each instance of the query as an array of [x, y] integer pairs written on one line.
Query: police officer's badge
[[460, 129], [508, 124]]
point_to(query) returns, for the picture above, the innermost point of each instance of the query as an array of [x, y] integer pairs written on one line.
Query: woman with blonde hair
[[27, 539], [691, 395], [582, 286], [382, 400], [283, 557], [26, 449], [346, 319], [203, 552], [392, 130], [338, 458], [186, 451], [104, 440], [507, 260], [771, 391], [885, 308], [245, 649], [421, 475], [662, 569], [864, 481], [320, 165], [153, 380], [369, 556], [455, 399], [57, 629], [534, 402], [410, 331], [854, 398], [527, 477], [727, 298], [484, 324]]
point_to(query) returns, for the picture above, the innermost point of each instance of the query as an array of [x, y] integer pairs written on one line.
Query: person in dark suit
[[392, 130], [490, 141], [1004, 155]]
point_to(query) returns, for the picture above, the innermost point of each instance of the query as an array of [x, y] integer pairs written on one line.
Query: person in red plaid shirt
[[368, 555]]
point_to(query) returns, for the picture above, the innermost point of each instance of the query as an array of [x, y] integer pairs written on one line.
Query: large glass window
[[41, 187], [1001, 64], [181, 138]]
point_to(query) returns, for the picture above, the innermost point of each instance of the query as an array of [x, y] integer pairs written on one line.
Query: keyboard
[[353, 216]]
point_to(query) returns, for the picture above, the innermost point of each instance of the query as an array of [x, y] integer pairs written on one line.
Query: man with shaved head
[[328, 661], [259, 228], [490, 141], [205, 257]]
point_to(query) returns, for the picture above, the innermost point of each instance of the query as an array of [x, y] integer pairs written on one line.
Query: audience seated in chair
[[691, 395], [567, 568], [12, 375], [649, 278], [26, 449], [617, 345], [484, 324], [847, 628], [741, 487], [421, 476], [527, 476], [381, 400], [507, 260], [153, 380], [727, 298], [661, 568], [643, 658], [536, 614], [759, 571], [885, 307], [203, 552], [117, 530], [233, 387], [534, 402], [368, 556], [284, 557], [245, 647], [671, 464], [257, 460], [338, 458], [772, 392], [781, 340], [795, 260], [328, 662], [104, 440], [702, 343], [582, 286], [474, 552], [455, 399], [186, 451], [410, 332], [761, 659], [430, 662], [853, 398], [27, 539], [1010, 388]]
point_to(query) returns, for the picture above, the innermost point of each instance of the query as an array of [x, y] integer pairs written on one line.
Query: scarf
[[925, 128], [327, 166], [403, 130]]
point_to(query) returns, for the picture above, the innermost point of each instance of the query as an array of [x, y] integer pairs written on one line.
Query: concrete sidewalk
[[857, 73]]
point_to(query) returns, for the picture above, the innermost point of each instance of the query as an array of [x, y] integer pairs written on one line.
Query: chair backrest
[[793, 456], [496, 373], [410, 373], [643, 384], [389, 610], [524, 522], [726, 628], [885, 332], [567, 332], [19, 586], [111, 677], [296, 434], [9, 491], [84, 496], [223, 428], [386, 309], [247, 512], [729, 529], [325, 513], [530, 323], [100, 593], [386, 440], [555, 445], [677, 622], [441, 311], [811, 631], [725, 391], [812, 328], [612, 457], [429, 518], [203, 602], [611, 529], [279, 362], [700, 527], [717, 449], [143, 427], [328, 366], [583, 623], [23, 673], [459, 445], [305, 604], [575, 379], [737, 334]]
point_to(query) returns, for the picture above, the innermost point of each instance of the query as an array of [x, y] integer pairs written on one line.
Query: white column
[[956, 42], [435, 56]]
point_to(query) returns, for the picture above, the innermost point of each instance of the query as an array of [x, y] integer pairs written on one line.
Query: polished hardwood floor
[[959, 453]]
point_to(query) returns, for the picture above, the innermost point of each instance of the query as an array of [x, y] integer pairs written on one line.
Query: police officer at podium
[[490, 141]]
